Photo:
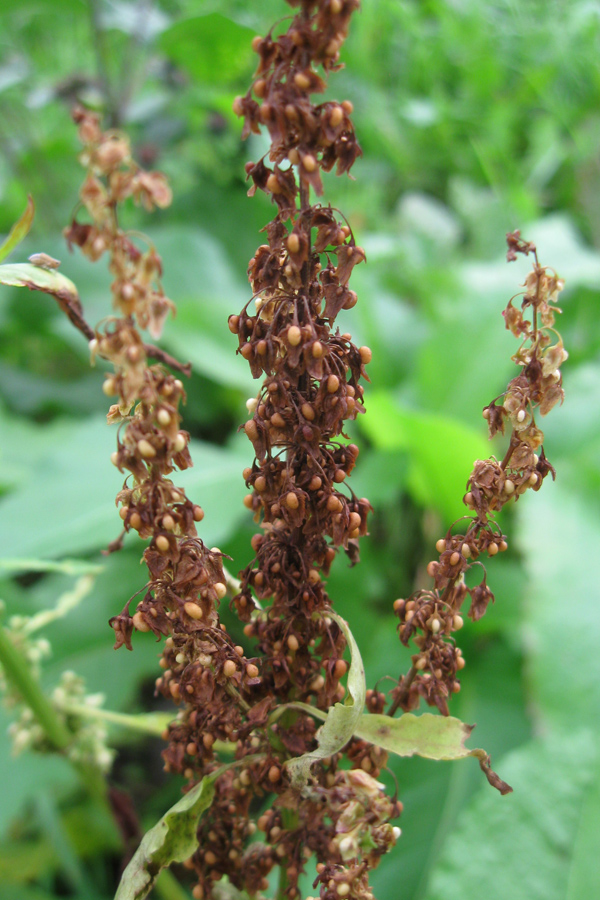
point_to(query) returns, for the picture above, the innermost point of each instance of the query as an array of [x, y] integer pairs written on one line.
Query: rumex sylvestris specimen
[[311, 386]]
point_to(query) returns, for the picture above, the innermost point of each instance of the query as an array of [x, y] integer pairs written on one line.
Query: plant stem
[[17, 671], [410, 677]]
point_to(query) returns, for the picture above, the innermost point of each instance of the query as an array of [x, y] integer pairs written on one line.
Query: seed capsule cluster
[[202, 667], [430, 617]]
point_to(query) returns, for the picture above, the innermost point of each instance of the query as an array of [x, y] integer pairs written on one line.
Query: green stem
[[18, 673], [16, 669]]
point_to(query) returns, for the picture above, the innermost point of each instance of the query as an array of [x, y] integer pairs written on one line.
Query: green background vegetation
[[475, 118]]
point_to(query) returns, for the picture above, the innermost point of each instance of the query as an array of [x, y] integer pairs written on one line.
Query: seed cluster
[[429, 617]]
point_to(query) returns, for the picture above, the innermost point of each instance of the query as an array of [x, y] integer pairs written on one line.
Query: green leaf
[[37, 278], [560, 533], [532, 846], [441, 450], [71, 488], [172, 839], [19, 230], [212, 47], [340, 720], [430, 736]]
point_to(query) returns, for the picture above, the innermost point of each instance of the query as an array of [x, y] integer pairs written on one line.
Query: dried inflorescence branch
[[430, 617]]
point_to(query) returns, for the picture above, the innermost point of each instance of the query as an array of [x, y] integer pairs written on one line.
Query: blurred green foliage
[[475, 117]]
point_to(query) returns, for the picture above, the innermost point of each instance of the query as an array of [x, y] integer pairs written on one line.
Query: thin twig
[[73, 311]]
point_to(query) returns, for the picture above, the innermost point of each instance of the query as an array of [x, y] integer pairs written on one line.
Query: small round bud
[[274, 774], [432, 568], [340, 668], [315, 483], [234, 324], [294, 156], [435, 625], [220, 589], [273, 184], [293, 245], [180, 442], [333, 383], [339, 476], [509, 487], [492, 548], [248, 501], [162, 543], [457, 623], [198, 513], [318, 350], [421, 663], [307, 411], [348, 107], [354, 521], [163, 417], [469, 498], [502, 546], [398, 604], [440, 545], [168, 522], [460, 662], [139, 622], [454, 558], [336, 115], [259, 87], [294, 335], [229, 668], [521, 415], [291, 500], [109, 387], [533, 478], [303, 82], [123, 512], [466, 551], [251, 430], [145, 449], [309, 162], [293, 643], [135, 521], [193, 610], [251, 670], [366, 355], [251, 405]]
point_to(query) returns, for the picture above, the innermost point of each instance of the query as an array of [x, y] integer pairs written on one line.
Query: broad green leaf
[[172, 839], [340, 720], [212, 47], [430, 736], [527, 847], [70, 494], [19, 230], [441, 450], [36, 278], [560, 533]]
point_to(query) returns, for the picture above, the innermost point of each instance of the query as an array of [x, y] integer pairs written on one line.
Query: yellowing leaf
[[172, 839], [340, 721], [37, 278], [19, 230]]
